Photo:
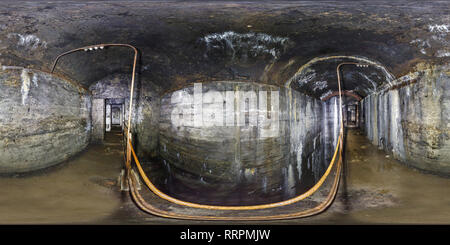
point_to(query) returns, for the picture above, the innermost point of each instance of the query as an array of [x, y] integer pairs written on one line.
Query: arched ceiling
[[185, 42], [318, 77]]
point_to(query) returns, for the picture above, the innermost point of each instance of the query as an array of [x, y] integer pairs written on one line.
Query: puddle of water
[[79, 191], [218, 193], [419, 197], [376, 189]]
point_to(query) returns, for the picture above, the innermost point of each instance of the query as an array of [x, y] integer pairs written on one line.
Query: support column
[[98, 120]]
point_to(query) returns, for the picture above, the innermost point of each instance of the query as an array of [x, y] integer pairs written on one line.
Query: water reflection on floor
[[376, 189], [211, 193]]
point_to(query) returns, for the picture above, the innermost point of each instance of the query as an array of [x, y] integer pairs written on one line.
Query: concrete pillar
[[108, 118], [98, 120]]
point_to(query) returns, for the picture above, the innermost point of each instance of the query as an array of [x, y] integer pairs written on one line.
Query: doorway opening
[[351, 114], [114, 114]]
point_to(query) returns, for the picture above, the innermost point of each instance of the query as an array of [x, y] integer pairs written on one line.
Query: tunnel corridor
[[227, 104], [377, 190]]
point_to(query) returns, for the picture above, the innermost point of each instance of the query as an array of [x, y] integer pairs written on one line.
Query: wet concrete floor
[[376, 189]]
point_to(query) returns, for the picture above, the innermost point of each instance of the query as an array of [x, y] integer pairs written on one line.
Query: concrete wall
[[147, 121], [412, 120], [44, 120], [228, 134], [309, 139], [330, 127]]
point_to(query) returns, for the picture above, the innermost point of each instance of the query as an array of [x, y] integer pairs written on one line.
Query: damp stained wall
[[195, 42], [146, 121], [411, 120], [44, 120], [235, 135]]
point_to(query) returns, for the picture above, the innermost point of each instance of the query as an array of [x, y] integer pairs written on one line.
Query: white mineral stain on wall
[[422, 44], [326, 94], [336, 120], [439, 37], [26, 84], [254, 44], [299, 160], [320, 85], [35, 80], [28, 40], [439, 28], [442, 53], [384, 119], [303, 75], [308, 78], [396, 126], [12, 68], [374, 84]]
